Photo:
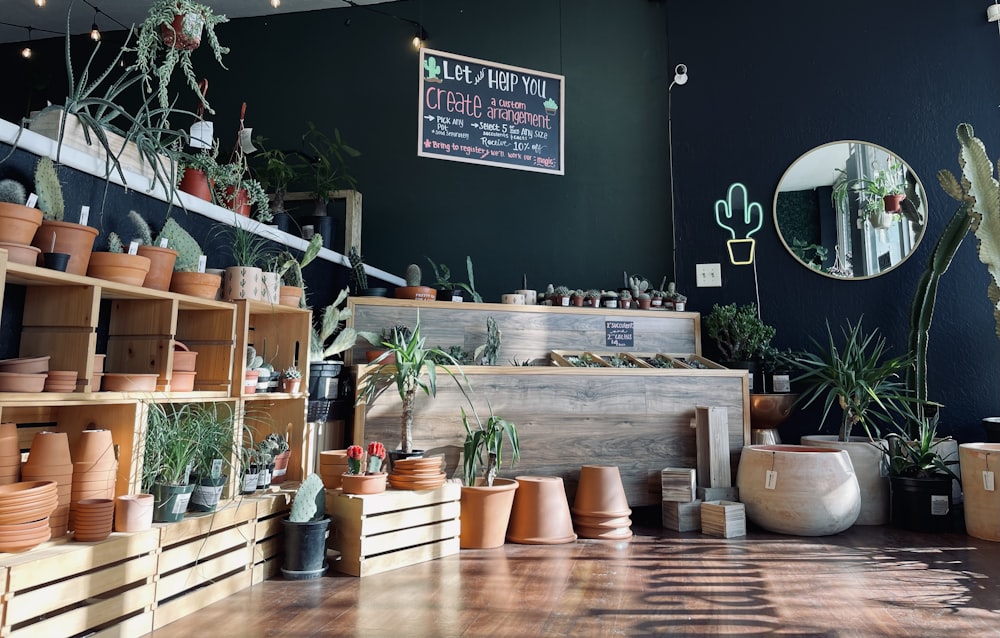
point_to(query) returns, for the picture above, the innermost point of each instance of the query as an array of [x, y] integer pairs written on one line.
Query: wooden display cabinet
[[280, 334]]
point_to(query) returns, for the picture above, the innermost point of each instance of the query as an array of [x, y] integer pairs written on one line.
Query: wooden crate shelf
[[378, 532]]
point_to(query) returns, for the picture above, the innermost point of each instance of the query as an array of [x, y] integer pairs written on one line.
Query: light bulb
[[26, 51], [95, 33], [39, 3], [275, 3], [417, 42]]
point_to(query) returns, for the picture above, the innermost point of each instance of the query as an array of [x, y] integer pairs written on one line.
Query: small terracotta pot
[[94, 450], [18, 223], [289, 296], [291, 386], [363, 483], [182, 381], [250, 382], [195, 183], [186, 32], [50, 449], [237, 200], [280, 467], [161, 266], [119, 267], [133, 512], [540, 514], [20, 253], [196, 284], [420, 293], [600, 492], [76, 240], [184, 359]]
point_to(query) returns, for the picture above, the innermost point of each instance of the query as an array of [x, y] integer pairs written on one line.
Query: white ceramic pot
[[794, 489], [980, 471], [872, 475]]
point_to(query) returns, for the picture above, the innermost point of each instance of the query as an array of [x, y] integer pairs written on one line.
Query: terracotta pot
[[50, 449], [800, 490], [161, 266], [21, 253], [26, 365], [184, 359], [75, 240], [243, 282], [600, 492], [281, 467], [363, 483], [182, 381], [289, 296], [540, 514], [867, 461], [186, 32], [94, 450], [375, 353], [196, 284], [18, 223], [133, 512], [21, 382], [291, 386], [92, 519], [237, 200], [250, 382], [195, 183], [891, 202], [485, 513], [420, 293], [119, 267], [129, 382]]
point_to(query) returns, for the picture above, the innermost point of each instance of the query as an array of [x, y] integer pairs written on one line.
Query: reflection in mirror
[[850, 210]]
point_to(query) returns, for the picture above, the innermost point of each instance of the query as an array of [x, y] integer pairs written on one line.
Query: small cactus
[[12, 192], [188, 250], [50, 197], [115, 243], [358, 269], [413, 275], [254, 360], [142, 228], [310, 501]]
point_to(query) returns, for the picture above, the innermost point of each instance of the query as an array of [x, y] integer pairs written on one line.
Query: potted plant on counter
[[171, 445], [486, 499], [362, 477], [56, 235], [741, 337], [305, 532], [330, 338], [215, 452]]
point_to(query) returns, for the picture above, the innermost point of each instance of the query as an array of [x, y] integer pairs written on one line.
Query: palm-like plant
[[857, 377], [410, 366], [488, 438]]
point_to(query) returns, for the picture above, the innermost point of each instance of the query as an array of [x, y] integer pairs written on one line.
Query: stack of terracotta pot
[[49, 460], [10, 454], [183, 371], [24, 514], [600, 509], [98, 376], [332, 465], [18, 227], [93, 518], [24, 374], [94, 469], [417, 473], [60, 381]]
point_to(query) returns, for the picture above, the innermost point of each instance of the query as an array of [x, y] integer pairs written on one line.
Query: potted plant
[[267, 449], [305, 532], [170, 447], [446, 290], [117, 265], [276, 170], [625, 299], [282, 454], [198, 172], [643, 300], [170, 32], [327, 165], [678, 300], [360, 277], [161, 257], [413, 289], [330, 338], [413, 370], [56, 235], [609, 299], [486, 499], [245, 279], [560, 296], [18, 222], [858, 376], [361, 477], [214, 453], [741, 337], [592, 298], [291, 379], [188, 278]]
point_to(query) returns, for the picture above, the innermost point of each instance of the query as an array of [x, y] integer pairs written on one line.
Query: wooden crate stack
[[724, 519], [681, 508], [720, 512]]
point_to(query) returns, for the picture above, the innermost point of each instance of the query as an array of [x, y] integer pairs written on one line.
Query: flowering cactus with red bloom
[[354, 454], [376, 454]]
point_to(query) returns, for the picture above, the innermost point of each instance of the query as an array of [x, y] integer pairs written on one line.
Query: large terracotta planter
[[813, 491], [243, 282], [600, 508], [76, 240], [161, 266], [869, 468], [540, 514], [981, 470], [119, 267], [485, 513], [18, 224], [196, 284]]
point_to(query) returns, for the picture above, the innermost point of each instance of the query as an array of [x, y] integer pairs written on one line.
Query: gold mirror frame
[[829, 215]]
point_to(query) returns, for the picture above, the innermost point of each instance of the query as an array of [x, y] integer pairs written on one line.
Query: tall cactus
[[358, 268], [50, 196]]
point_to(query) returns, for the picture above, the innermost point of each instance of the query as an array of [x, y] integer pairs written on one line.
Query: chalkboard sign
[[619, 334], [488, 113]]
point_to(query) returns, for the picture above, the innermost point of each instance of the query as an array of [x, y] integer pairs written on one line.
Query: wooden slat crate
[[268, 546], [65, 588], [378, 532], [204, 559]]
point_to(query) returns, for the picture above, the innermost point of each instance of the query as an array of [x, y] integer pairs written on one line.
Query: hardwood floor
[[868, 581]]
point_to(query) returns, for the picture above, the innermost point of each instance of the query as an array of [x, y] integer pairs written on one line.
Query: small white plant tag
[[84, 215], [133, 247], [770, 480], [32, 200], [216, 468], [163, 242], [201, 135], [988, 483], [202, 262], [939, 504]]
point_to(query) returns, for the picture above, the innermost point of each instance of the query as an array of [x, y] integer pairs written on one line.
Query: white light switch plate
[[708, 275]]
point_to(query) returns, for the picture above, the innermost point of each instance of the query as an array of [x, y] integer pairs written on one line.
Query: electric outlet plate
[[708, 275]]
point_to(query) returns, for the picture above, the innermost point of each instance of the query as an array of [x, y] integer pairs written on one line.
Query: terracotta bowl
[[129, 382], [21, 253], [18, 382], [27, 489], [25, 364]]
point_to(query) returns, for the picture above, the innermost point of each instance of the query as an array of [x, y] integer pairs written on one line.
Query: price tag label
[[133, 247], [32, 200], [216, 468], [770, 479], [939, 504], [202, 262], [84, 215], [181, 503], [163, 242], [988, 483], [201, 135]]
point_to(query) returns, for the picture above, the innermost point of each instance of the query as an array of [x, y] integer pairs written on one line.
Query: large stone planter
[[794, 489], [873, 479], [980, 470]]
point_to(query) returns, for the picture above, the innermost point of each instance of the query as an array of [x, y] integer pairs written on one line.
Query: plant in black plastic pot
[[741, 337], [170, 448], [330, 338], [215, 448], [305, 532]]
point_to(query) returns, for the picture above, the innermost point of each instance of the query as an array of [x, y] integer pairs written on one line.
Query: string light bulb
[[95, 33], [26, 52], [275, 3], [419, 37], [39, 3]]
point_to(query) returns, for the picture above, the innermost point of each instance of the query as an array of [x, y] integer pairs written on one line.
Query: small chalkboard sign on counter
[[619, 334], [489, 113]]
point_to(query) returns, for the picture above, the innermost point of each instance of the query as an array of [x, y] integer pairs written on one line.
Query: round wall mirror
[[850, 210]]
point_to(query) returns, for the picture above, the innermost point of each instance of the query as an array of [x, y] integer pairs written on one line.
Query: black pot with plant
[[305, 532], [172, 440], [742, 339], [211, 462]]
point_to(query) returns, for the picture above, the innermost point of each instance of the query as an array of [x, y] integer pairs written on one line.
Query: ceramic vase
[[980, 471], [242, 282], [868, 462]]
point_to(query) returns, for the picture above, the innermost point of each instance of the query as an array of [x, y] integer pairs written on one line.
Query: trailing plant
[[738, 331], [858, 377], [484, 445]]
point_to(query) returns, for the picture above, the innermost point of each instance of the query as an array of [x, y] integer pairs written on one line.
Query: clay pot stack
[[19, 226], [93, 518], [332, 464], [60, 381], [94, 469], [24, 514], [600, 509], [98, 376], [10, 454], [183, 371], [540, 514], [25, 374], [49, 460], [417, 474]]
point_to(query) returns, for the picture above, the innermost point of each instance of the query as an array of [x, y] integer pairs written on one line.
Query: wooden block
[[718, 493], [682, 517], [724, 519], [678, 484], [712, 439]]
